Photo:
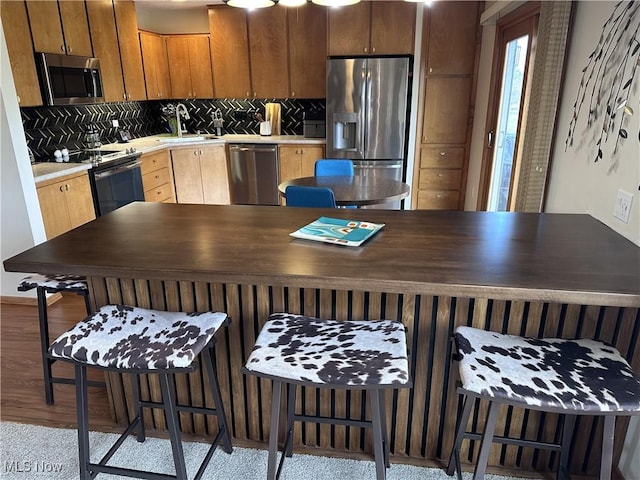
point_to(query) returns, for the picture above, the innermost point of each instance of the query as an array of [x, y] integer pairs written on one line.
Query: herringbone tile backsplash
[[50, 128]]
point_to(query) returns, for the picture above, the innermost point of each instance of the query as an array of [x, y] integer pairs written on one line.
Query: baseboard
[[29, 301]]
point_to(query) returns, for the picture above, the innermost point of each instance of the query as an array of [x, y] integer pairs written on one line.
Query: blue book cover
[[335, 230]]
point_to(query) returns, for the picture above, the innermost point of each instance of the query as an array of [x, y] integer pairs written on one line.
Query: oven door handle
[[118, 169]]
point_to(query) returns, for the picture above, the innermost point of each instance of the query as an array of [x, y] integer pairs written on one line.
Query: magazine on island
[[336, 230]]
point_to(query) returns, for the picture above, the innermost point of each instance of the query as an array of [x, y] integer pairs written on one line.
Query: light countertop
[[48, 171]]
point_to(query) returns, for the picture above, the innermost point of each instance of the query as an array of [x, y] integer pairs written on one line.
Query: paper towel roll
[[272, 115]]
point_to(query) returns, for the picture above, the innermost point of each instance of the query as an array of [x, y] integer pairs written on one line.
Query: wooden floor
[[22, 390]]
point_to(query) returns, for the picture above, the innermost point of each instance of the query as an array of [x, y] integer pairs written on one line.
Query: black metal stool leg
[[82, 410], [173, 424], [567, 432], [272, 464], [208, 356], [87, 303], [291, 405], [44, 344], [140, 433], [607, 447], [385, 433], [487, 440], [378, 442], [454, 459]]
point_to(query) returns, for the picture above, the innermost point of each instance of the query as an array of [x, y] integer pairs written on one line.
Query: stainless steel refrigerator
[[368, 102]]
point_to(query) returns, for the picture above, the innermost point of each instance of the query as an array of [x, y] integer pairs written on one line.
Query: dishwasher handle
[[252, 148]]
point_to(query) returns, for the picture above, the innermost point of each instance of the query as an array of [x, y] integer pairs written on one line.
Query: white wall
[[21, 222], [578, 184]]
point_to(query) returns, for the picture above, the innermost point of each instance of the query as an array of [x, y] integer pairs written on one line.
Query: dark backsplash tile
[[50, 128]]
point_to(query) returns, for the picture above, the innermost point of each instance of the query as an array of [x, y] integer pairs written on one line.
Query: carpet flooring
[[29, 452]]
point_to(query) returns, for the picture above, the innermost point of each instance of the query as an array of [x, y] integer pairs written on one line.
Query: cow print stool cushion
[[132, 338], [54, 282], [349, 353], [584, 375]]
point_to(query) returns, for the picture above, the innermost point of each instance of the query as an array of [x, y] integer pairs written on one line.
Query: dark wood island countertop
[[540, 275]]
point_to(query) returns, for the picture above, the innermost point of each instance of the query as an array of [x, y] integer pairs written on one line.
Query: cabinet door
[[178, 57], [79, 201], [156, 66], [18, 37], [349, 29], [310, 153], [54, 209], [452, 37], [102, 24], [215, 177], [289, 162], [393, 28], [200, 66], [230, 52], [187, 176], [46, 27], [268, 53], [75, 28], [446, 111], [308, 51], [130, 55]]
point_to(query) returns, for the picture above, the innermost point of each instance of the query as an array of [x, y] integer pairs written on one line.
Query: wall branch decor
[[609, 81]]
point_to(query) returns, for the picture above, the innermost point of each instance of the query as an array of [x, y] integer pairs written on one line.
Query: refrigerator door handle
[[366, 108]]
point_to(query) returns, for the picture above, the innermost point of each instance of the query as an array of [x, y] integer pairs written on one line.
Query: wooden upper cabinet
[[372, 28], [393, 26], [18, 37], [156, 66], [60, 27], [447, 111], [446, 21], [230, 52], [308, 51], [350, 29], [130, 54], [189, 60], [268, 52], [102, 25]]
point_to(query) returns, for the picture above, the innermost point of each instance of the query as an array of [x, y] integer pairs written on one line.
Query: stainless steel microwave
[[69, 79]]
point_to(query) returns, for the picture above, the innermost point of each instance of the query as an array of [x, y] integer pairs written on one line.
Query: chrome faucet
[[180, 108]]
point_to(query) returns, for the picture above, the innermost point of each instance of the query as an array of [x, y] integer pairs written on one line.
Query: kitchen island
[[531, 274]]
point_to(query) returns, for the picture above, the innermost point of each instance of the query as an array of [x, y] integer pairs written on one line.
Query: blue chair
[[299, 196], [327, 166]]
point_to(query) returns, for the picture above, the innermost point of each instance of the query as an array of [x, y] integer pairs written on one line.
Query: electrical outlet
[[115, 123], [622, 208]]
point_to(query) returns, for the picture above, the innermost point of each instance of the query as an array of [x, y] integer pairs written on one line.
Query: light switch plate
[[115, 123], [622, 207]]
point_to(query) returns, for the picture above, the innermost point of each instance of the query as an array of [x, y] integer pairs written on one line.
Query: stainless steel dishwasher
[[254, 174]]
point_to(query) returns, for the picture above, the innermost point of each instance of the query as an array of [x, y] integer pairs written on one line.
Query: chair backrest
[[333, 166], [298, 196]]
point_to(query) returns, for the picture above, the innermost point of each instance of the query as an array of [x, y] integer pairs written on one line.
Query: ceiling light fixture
[[335, 3], [250, 3]]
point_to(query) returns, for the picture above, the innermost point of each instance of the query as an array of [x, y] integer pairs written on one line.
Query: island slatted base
[[422, 419]]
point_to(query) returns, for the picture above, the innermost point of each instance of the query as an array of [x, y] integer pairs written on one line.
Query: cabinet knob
[[442, 154], [62, 188], [69, 49], [63, 49], [293, 94], [195, 152], [373, 49], [18, 98], [365, 49], [124, 96]]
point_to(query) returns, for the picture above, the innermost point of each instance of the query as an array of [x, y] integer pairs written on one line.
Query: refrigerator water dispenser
[[345, 128]]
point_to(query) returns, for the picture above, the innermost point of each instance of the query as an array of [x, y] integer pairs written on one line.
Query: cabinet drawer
[[154, 161], [441, 157], [160, 193], [439, 179], [153, 179], [438, 200]]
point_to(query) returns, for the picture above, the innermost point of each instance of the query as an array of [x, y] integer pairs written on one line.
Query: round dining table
[[357, 190]]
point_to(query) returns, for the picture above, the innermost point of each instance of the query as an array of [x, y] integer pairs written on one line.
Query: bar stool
[[298, 350], [134, 340], [571, 377], [54, 284]]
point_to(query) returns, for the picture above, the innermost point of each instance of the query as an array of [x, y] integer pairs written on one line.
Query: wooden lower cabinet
[[440, 177], [66, 203], [295, 161], [157, 177], [201, 175]]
